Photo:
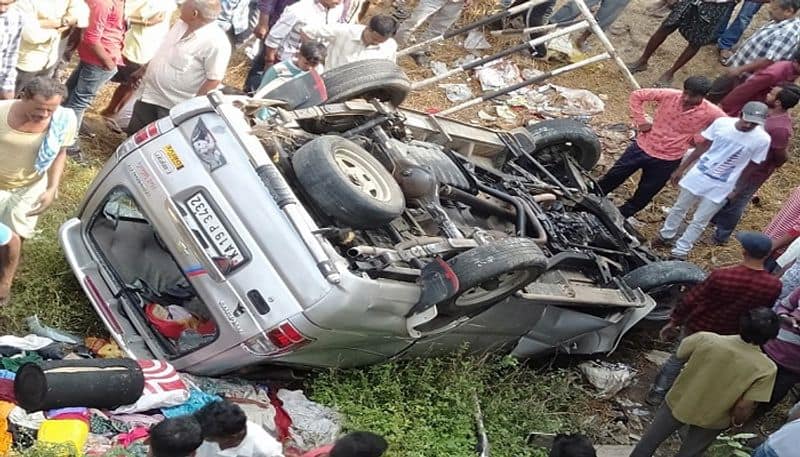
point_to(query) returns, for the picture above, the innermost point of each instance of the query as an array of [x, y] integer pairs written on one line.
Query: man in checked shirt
[[716, 304], [10, 35], [777, 40]]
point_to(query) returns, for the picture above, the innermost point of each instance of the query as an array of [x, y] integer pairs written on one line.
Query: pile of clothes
[[289, 416]]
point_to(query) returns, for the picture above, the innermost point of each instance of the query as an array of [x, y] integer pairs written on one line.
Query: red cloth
[[787, 221], [7, 390], [107, 27], [758, 85], [716, 304], [673, 128]]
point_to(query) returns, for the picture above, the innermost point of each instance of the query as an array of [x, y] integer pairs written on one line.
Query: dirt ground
[[629, 36]]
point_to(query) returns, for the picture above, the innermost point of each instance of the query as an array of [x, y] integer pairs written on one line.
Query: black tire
[[556, 134], [665, 282], [365, 195], [374, 78], [483, 265]]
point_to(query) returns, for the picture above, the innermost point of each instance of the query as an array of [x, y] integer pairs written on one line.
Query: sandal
[[636, 67]]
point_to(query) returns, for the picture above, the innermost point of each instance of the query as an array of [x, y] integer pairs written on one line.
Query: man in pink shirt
[[100, 51], [758, 85], [658, 148]]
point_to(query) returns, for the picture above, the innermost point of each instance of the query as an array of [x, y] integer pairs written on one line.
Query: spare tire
[[373, 78], [559, 135], [665, 282], [490, 273], [346, 183]]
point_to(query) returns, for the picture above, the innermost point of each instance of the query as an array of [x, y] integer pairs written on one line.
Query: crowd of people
[[718, 141]]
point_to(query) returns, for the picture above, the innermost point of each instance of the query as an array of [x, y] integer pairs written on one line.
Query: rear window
[[162, 295]]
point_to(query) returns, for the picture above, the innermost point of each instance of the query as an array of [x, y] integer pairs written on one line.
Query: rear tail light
[[283, 338]]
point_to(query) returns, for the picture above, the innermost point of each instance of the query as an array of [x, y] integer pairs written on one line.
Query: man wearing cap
[[779, 128], [713, 169], [716, 304]]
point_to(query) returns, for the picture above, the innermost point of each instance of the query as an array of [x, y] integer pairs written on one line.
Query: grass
[[45, 284], [425, 407]]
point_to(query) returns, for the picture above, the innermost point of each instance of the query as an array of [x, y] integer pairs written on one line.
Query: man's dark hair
[[44, 87], [789, 95], [793, 5], [359, 444], [383, 25], [176, 437], [759, 325], [221, 419], [572, 446], [313, 51], [697, 85]]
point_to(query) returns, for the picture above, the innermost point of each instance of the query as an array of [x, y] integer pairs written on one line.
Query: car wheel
[[489, 273], [374, 78], [666, 282], [555, 136], [367, 79], [346, 183]]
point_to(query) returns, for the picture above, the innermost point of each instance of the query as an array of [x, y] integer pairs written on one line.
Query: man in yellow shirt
[[46, 21], [34, 133], [722, 380]]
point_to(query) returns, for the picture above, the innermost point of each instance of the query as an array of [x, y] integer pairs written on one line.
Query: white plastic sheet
[[313, 425], [608, 378]]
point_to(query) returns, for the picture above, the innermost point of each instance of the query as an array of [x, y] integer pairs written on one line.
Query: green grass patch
[[425, 407], [45, 284]]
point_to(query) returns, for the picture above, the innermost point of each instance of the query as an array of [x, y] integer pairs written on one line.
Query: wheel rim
[[493, 288], [362, 174], [667, 297]]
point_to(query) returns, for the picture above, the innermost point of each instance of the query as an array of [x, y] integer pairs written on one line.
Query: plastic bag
[[313, 425], [476, 40], [576, 102], [49, 332], [498, 74], [457, 92], [608, 378]]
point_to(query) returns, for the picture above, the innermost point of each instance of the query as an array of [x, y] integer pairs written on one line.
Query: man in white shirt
[[731, 145], [148, 24], [284, 39], [348, 43], [228, 433], [45, 23], [192, 61]]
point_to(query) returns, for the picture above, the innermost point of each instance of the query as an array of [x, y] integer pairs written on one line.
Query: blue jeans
[[729, 216], [83, 85], [764, 451], [729, 34], [608, 12]]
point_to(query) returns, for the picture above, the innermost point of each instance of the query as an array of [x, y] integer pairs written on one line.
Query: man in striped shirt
[[10, 35]]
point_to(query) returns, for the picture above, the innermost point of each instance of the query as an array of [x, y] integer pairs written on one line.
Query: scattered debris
[[457, 92], [438, 68], [605, 450], [484, 116], [499, 74], [505, 112], [476, 40], [657, 357], [608, 378]]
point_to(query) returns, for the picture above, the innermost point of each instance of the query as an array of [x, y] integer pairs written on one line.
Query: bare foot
[[5, 293]]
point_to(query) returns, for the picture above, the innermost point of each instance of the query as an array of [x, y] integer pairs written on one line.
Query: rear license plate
[[215, 232]]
